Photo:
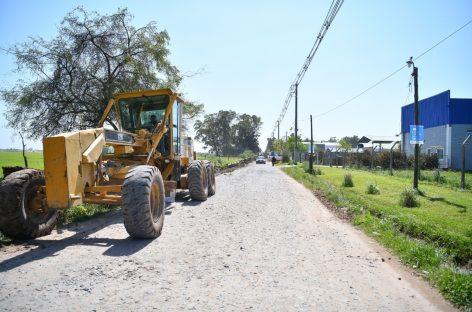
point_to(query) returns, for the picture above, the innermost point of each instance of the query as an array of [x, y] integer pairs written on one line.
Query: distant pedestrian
[[273, 160]]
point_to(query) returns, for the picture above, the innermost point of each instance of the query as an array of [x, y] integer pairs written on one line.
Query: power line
[[409, 91], [358, 95], [392, 74], [333, 10]]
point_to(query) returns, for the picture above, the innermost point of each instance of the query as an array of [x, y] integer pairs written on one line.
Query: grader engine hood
[[69, 165]]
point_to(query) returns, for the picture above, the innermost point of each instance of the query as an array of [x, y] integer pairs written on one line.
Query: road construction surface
[[262, 243]]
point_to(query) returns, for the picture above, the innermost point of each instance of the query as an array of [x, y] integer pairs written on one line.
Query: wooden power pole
[[310, 169], [416, 173]]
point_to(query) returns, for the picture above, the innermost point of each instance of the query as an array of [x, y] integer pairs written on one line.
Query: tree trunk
[[24, 155]]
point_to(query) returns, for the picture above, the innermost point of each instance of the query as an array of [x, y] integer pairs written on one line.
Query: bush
[[247, 154], [437, 177], [429, 161], [372, 188], [409, 198], [348, 180], [83, 212], [316, 170]]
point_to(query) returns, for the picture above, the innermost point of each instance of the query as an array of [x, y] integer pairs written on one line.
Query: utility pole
[[278, 130], [416, 170], [296, 123], [416, 174], [310, 170]]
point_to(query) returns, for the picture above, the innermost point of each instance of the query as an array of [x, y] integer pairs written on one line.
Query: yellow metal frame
[[161, 128], [77, 154], [126, 95], [101, 194]]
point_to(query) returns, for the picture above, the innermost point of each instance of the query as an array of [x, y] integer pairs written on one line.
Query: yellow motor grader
[[134, 167]]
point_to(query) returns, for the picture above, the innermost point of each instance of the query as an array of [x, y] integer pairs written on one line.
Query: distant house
[[446, 124], [322, 146], [378, 143], [324, 151]]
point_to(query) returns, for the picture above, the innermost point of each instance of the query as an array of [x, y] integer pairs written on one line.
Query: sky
[[244, 55]]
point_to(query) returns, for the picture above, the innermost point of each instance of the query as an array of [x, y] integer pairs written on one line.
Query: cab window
[[142, 112], [176, 119]]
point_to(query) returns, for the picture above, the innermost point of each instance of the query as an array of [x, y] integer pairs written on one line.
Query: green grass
[[435, 238], [10, 159], [220, 162], [84, 212], [451, 179]]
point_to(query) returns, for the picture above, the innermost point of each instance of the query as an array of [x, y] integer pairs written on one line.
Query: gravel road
[[263, 242]]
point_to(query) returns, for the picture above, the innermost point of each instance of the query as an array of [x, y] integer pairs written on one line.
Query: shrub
[[372, 188], [437, 177], [347, 182], [429, 161], [409, 198], [316, 170], [457, 183], [83, 212], [247, 154]]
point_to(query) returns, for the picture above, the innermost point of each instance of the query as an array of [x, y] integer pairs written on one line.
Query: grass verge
[[434, 239], [83, 212], [450, 179], [220, 162], [11, 159]]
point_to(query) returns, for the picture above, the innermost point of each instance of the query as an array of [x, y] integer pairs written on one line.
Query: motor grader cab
[[133, 166]]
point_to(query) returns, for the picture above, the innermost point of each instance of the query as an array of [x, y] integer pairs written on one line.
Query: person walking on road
[[273, 160]]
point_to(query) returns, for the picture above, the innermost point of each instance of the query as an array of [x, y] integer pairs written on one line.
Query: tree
[[247, 132], [190, 111], [345, 144], [270, 144], [24, 147], [217, 131], [227, 133], [291, 144], [351, 140], [74, 74]]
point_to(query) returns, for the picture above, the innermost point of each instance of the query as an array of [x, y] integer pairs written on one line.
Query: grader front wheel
[[210, 169], [143, 202], [24, 213], [198, 181]]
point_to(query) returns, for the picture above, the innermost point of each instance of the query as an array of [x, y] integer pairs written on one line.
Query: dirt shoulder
[[263, 242]]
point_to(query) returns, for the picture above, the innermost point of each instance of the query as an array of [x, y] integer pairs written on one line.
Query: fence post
[[463, 162]]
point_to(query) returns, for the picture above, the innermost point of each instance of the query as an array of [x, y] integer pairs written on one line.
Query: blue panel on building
[[460, 111], [433, 112]]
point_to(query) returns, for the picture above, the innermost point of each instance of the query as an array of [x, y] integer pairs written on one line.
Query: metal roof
[[379, 139]]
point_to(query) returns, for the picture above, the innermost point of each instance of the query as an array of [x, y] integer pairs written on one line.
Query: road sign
[[416, 134]]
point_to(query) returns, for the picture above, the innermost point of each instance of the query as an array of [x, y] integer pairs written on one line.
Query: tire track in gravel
[[263, 242]]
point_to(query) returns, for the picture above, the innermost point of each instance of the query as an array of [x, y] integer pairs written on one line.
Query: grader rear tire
[[143, 202], [198, 181], [210, 169], [24, 213]]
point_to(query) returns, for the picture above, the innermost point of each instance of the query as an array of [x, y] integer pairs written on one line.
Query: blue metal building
[[446, 124]]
